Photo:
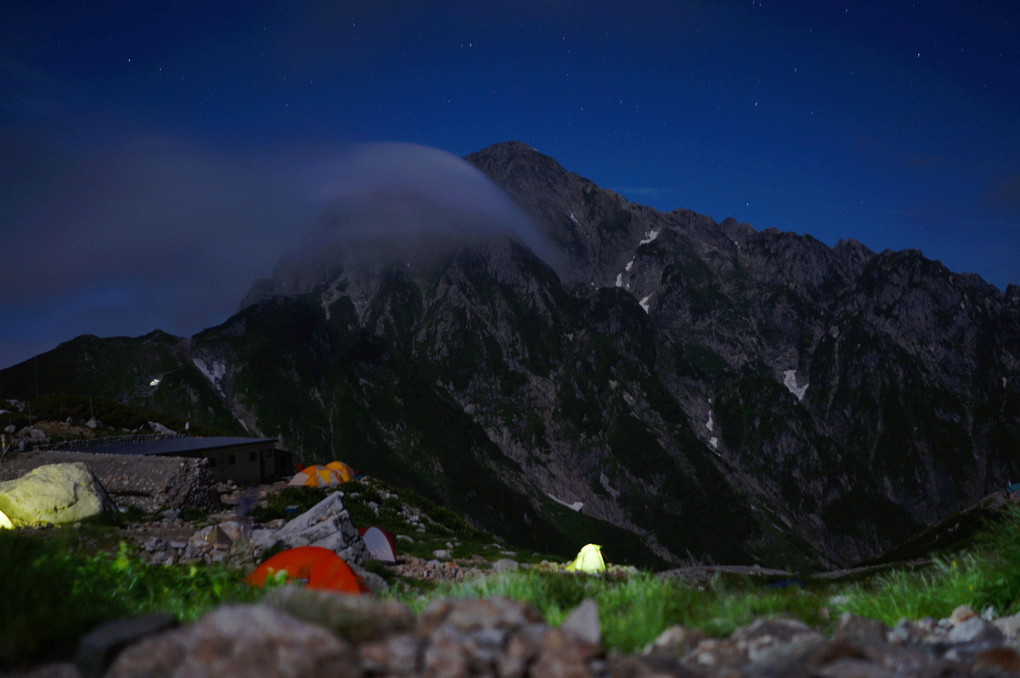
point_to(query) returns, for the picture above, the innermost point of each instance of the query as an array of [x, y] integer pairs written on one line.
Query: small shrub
[[275, 505]]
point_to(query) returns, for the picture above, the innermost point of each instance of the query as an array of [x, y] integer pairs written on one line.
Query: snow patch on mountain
[[214, 374], [644, 303], [710, 425], [649, 237], [619, 276], [790, 382], [576, 506], [329, 297], [604, 479]]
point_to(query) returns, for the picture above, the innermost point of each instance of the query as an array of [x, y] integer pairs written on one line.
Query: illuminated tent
[[314, 566], [589, 559], [318, 476], [379, 543]]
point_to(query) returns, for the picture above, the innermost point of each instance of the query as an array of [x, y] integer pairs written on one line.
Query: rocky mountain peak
[[683, 389]]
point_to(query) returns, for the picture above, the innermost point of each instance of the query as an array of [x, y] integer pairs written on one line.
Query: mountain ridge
[[678, 378]]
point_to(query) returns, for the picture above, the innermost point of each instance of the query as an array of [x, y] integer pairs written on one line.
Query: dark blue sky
[[154, 157]]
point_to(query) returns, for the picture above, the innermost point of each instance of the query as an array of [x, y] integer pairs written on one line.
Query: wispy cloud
[[135, 224]]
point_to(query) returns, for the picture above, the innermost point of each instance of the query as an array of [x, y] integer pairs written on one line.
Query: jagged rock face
[[856, 395], [713, 392]]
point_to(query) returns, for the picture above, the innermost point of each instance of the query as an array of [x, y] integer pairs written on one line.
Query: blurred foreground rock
[[312, 634]]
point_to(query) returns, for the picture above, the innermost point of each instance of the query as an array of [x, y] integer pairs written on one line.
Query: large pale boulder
[[327, 524], [54, 493]]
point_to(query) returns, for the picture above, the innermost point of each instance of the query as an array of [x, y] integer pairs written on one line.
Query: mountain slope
[[721, 393]]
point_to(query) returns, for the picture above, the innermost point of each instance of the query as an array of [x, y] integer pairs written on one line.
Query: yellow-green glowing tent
[[589, 559]]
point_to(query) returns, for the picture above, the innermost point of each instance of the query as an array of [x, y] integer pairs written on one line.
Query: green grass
[[635, 609], [933, 592], [50, 596], [987, 576]]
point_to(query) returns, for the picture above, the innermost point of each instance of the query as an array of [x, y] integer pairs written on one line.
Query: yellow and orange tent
[[318, 476], [314, 566], [346, 472]]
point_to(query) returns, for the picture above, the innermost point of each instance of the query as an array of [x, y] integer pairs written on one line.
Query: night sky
[[156, 158]]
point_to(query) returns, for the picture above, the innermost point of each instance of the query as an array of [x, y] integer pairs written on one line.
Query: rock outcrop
[[327, 524]]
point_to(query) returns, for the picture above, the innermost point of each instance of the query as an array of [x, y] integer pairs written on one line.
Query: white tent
[[380, 544]]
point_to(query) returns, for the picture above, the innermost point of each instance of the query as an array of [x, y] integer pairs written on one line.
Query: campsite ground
[[432, 543]]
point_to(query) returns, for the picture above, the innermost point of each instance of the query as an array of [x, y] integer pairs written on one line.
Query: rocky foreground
[[312, 634], [305, 633]]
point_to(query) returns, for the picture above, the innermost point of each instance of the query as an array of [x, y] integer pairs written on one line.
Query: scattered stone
[[860, 630], [355, 618], [428, 570], [399, 655], [971, 637], [375, 583], [560, 656], [505, 565], [975, 630], [1010, 626], [676, 641], [961, 614], [99, 648], [255, 641], [583, 623]]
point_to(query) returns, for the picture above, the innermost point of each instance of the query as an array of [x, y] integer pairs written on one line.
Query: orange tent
[[318, 476], [346, 472], [317, 567]]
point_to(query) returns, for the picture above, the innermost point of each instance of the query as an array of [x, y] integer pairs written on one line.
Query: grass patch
[[986, 578], [934, 592], [49, 596], [635, 609]]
